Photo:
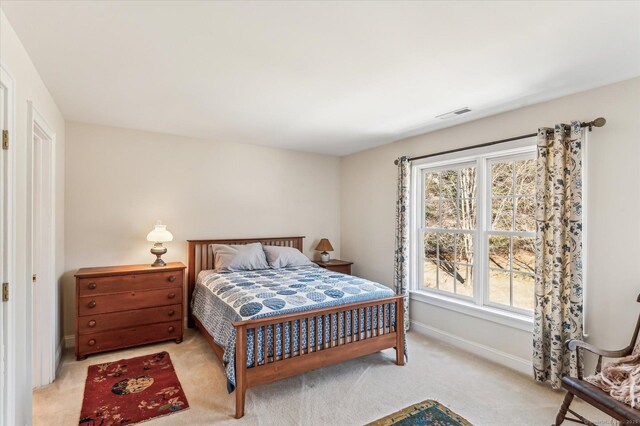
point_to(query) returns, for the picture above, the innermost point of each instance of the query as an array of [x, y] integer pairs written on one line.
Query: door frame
[[8, 405], [37, 123]]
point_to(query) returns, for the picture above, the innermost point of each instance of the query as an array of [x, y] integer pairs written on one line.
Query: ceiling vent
[[453, 113]]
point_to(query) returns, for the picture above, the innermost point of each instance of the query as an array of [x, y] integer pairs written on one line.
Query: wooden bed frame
[[386, 334]]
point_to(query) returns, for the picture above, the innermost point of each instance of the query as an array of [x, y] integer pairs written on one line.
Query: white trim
[[35, 120], [499, 357], [69, 341], [467, 307], [8, 412]]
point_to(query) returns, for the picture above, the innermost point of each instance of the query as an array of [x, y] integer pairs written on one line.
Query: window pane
[[468, 213], [499, 287], [502, 178], [499, 252], [432, 186], [525, 214], [464, 248], [450, 213], [523, 291], [430, 259], [449, 184], [502, 214], [524, 254], [467, 182], [430, 273], [431, 214], [525, 177], [430, 245], [445, 256], [464, 284], [445, 278], [446, 242]]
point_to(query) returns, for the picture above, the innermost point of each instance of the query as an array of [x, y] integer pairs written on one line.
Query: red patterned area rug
[[131, 391]]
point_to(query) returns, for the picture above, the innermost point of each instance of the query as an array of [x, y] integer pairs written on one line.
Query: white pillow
[[244, 257], [285, 257]]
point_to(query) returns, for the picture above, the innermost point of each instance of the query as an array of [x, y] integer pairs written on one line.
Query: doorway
[[43, 284]]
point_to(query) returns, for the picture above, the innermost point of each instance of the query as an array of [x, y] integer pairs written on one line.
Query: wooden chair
[[593, 395]]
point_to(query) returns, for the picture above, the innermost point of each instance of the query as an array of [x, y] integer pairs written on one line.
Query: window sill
[[510, 319]]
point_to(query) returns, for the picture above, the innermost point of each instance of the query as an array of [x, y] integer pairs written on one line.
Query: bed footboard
[[379, 325]]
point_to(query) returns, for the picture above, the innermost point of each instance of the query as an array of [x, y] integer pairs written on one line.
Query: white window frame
[[476, 306]]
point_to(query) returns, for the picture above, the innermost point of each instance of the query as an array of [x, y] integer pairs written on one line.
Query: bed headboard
[[200, 257]]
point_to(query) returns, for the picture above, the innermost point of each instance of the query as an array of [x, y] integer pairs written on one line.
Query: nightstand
[[123, 306], [336, 265]]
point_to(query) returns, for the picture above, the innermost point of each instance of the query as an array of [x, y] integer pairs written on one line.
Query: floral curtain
[[401, 265], [558, 286]]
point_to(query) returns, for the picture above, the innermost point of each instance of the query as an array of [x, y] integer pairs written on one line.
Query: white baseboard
[[519, 364], [69, 341]]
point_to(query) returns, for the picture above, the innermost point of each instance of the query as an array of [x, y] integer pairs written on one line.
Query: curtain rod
[[598, 122]]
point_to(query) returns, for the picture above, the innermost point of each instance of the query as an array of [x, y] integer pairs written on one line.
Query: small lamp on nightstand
[[158, 236], [324, 246]]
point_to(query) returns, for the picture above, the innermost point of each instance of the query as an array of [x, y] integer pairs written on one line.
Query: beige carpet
[[352, 393]]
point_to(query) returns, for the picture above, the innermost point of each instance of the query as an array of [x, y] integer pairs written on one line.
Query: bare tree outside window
[[512, 251], [450, 230], [450, 210]]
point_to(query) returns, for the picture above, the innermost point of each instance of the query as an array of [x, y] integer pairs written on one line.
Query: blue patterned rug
[[425, 413]]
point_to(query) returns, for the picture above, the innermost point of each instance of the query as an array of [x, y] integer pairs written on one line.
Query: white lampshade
[[160, 234]]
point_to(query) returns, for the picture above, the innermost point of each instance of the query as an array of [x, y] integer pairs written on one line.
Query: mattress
[[221, 298]]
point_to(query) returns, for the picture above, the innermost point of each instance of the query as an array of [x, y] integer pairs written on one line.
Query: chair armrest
[[574, 344]]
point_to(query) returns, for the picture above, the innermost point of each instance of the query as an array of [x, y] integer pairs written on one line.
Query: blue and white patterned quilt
[[221, 298]]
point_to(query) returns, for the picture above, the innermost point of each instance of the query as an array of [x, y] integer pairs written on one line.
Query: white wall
[[613, 206], [120, 181], [29, 86]]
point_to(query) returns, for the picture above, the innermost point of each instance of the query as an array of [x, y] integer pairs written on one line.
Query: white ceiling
[[328, 77]]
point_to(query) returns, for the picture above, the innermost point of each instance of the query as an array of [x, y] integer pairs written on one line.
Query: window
[[474, 236], [450, 228], [511, 237]]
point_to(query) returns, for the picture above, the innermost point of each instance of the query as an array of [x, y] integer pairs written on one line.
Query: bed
[[350, 317]]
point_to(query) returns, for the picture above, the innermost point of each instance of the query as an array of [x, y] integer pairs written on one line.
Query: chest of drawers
[[123, 306]]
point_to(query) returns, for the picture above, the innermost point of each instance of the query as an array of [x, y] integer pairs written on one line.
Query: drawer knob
[[171, 312], [92, 323], [93, 286], [171, 295], [91, 342], [92, 304], [171, 328], [172, 278]]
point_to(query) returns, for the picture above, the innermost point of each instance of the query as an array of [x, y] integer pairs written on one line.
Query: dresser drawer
[[120, 283], [133, 336], [101, 304], [103, 322]]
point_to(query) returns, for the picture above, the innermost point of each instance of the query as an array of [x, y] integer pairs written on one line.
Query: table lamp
[[158, 236], [324, 246]]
